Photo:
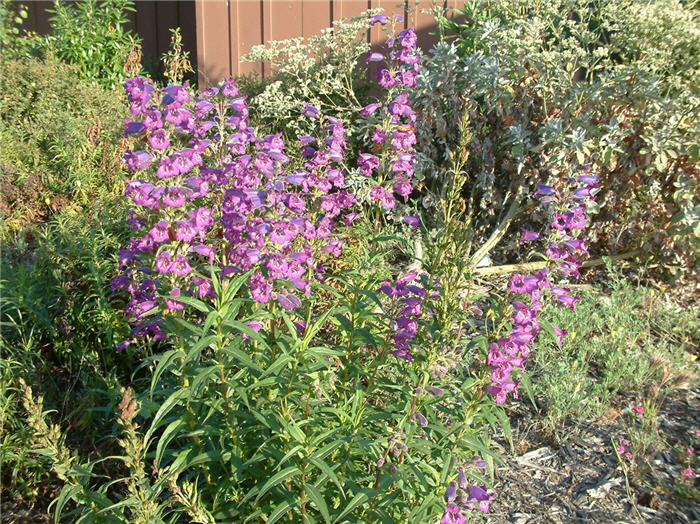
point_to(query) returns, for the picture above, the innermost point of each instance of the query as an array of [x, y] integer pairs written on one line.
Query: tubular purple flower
[[158, 140], [310, 110], [453, 515], [379, 19], [451, 493], [137, 160], [181, 266], [528, 236], [412, 220], [462, 479], [369, 109]]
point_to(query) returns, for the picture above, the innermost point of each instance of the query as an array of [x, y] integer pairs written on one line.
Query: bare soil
[[576, 478]]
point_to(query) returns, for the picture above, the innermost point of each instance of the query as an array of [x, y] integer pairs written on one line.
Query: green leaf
[[202, 377], [293, 430], [527, 385], [318, 501], [243, 358], [164, 363], [169, 433], [169, 404], [243, 328], [356, 502], [276, 479], [328, 448], [197, 348], [279, 512], [279, 363], [197, 304], [326, 469], [296, 449], [67, 493], [505, 425]]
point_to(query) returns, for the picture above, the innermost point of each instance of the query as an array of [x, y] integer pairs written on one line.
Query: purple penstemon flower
[[237, 206], [310, 111], [159, 140], [412, 220], [453, 515], [379, 19]]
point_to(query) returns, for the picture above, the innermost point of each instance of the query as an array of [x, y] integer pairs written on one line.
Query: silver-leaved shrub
[[549, 84]]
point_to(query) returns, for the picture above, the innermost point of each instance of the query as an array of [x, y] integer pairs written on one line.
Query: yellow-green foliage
[[60, 132]]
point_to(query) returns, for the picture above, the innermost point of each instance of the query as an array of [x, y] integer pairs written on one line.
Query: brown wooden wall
[[227, 29], [218, 32]]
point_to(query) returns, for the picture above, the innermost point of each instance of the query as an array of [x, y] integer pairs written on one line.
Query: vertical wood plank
[[285, 19], [37, 18], [30, 23], [188, 29], [212, 41], [166, 17], [266, 6], [42, 24], [130, 24], [146, 29], [424, 23], [247, 16], [316, 15], [348, 8]]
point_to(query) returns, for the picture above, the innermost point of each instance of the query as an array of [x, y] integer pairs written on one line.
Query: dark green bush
[[56, 292], [91, 35]]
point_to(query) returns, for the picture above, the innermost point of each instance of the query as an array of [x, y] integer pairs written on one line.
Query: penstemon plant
[[294, 379]]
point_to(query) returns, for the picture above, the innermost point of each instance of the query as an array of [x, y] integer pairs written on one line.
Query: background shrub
[[549, 85], [61, 140], [326, 71], [91, 36]]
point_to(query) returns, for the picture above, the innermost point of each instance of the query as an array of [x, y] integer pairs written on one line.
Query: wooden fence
[[227, 29], [218, 32]]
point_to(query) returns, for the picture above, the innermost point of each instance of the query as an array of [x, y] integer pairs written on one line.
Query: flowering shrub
[[296, 375]]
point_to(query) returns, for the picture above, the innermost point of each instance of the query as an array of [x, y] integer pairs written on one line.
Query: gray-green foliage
[[629, 340], [553, 84], [321, 70]]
